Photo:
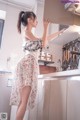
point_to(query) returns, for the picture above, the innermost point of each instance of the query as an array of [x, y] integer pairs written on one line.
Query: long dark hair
[[22, 19]]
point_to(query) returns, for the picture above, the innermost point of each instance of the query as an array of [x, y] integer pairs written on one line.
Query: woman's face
[[33, 22]]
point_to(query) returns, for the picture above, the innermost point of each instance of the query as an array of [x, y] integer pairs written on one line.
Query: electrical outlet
[[3, 116]]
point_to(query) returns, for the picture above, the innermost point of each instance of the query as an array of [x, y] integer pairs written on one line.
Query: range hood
[[73, 7]]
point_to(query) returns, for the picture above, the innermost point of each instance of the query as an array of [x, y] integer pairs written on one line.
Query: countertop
[[68, 73], [4, 72]]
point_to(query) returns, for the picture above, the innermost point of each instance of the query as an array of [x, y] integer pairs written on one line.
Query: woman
[[24, 91]]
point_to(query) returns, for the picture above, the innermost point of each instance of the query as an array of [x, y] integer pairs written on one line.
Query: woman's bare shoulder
[[30, 36]]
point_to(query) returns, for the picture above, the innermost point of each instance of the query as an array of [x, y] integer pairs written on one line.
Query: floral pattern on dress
[[33, 45], [26, 74]]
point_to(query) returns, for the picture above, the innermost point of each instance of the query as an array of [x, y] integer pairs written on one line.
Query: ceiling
[[23, 3], [30, 4], [69, 34]]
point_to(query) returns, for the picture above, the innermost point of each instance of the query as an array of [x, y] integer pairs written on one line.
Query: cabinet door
[[54, 107], [73, 100], [54, 11]]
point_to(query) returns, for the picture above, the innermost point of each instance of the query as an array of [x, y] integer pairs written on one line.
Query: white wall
[[11, 40], [5, 94], [54, 49], [11, 46], [39, 29]]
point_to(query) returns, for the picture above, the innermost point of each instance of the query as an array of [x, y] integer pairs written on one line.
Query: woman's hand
[[46, 23]]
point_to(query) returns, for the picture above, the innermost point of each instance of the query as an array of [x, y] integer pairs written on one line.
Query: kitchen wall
[[11, 41], [11, 47], [54, 49], [5, 94], [11, 44]]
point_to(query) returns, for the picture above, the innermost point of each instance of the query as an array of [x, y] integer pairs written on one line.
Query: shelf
[[75, 52], [45, 62]]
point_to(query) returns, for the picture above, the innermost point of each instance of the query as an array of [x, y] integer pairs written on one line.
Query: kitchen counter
[[3, 72], [68, 73], [61, 95]]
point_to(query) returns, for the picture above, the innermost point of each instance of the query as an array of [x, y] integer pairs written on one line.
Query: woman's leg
[[18, 105], [22, 106]]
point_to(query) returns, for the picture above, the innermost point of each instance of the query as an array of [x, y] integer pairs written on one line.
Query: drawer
[[46, 69]]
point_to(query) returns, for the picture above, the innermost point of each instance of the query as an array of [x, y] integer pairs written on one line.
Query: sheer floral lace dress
[[26, 73]]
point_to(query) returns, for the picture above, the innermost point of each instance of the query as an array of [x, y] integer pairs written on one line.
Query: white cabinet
[[62, 99], [54, 107], [73, 100]]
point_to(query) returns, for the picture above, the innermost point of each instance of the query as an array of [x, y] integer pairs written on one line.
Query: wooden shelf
[[45, 62]]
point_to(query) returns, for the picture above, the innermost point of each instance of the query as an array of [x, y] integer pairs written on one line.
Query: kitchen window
[[2, 20], [1, 29]]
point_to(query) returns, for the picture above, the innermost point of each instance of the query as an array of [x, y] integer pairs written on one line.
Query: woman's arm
[[52, 36], [44, 36]]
